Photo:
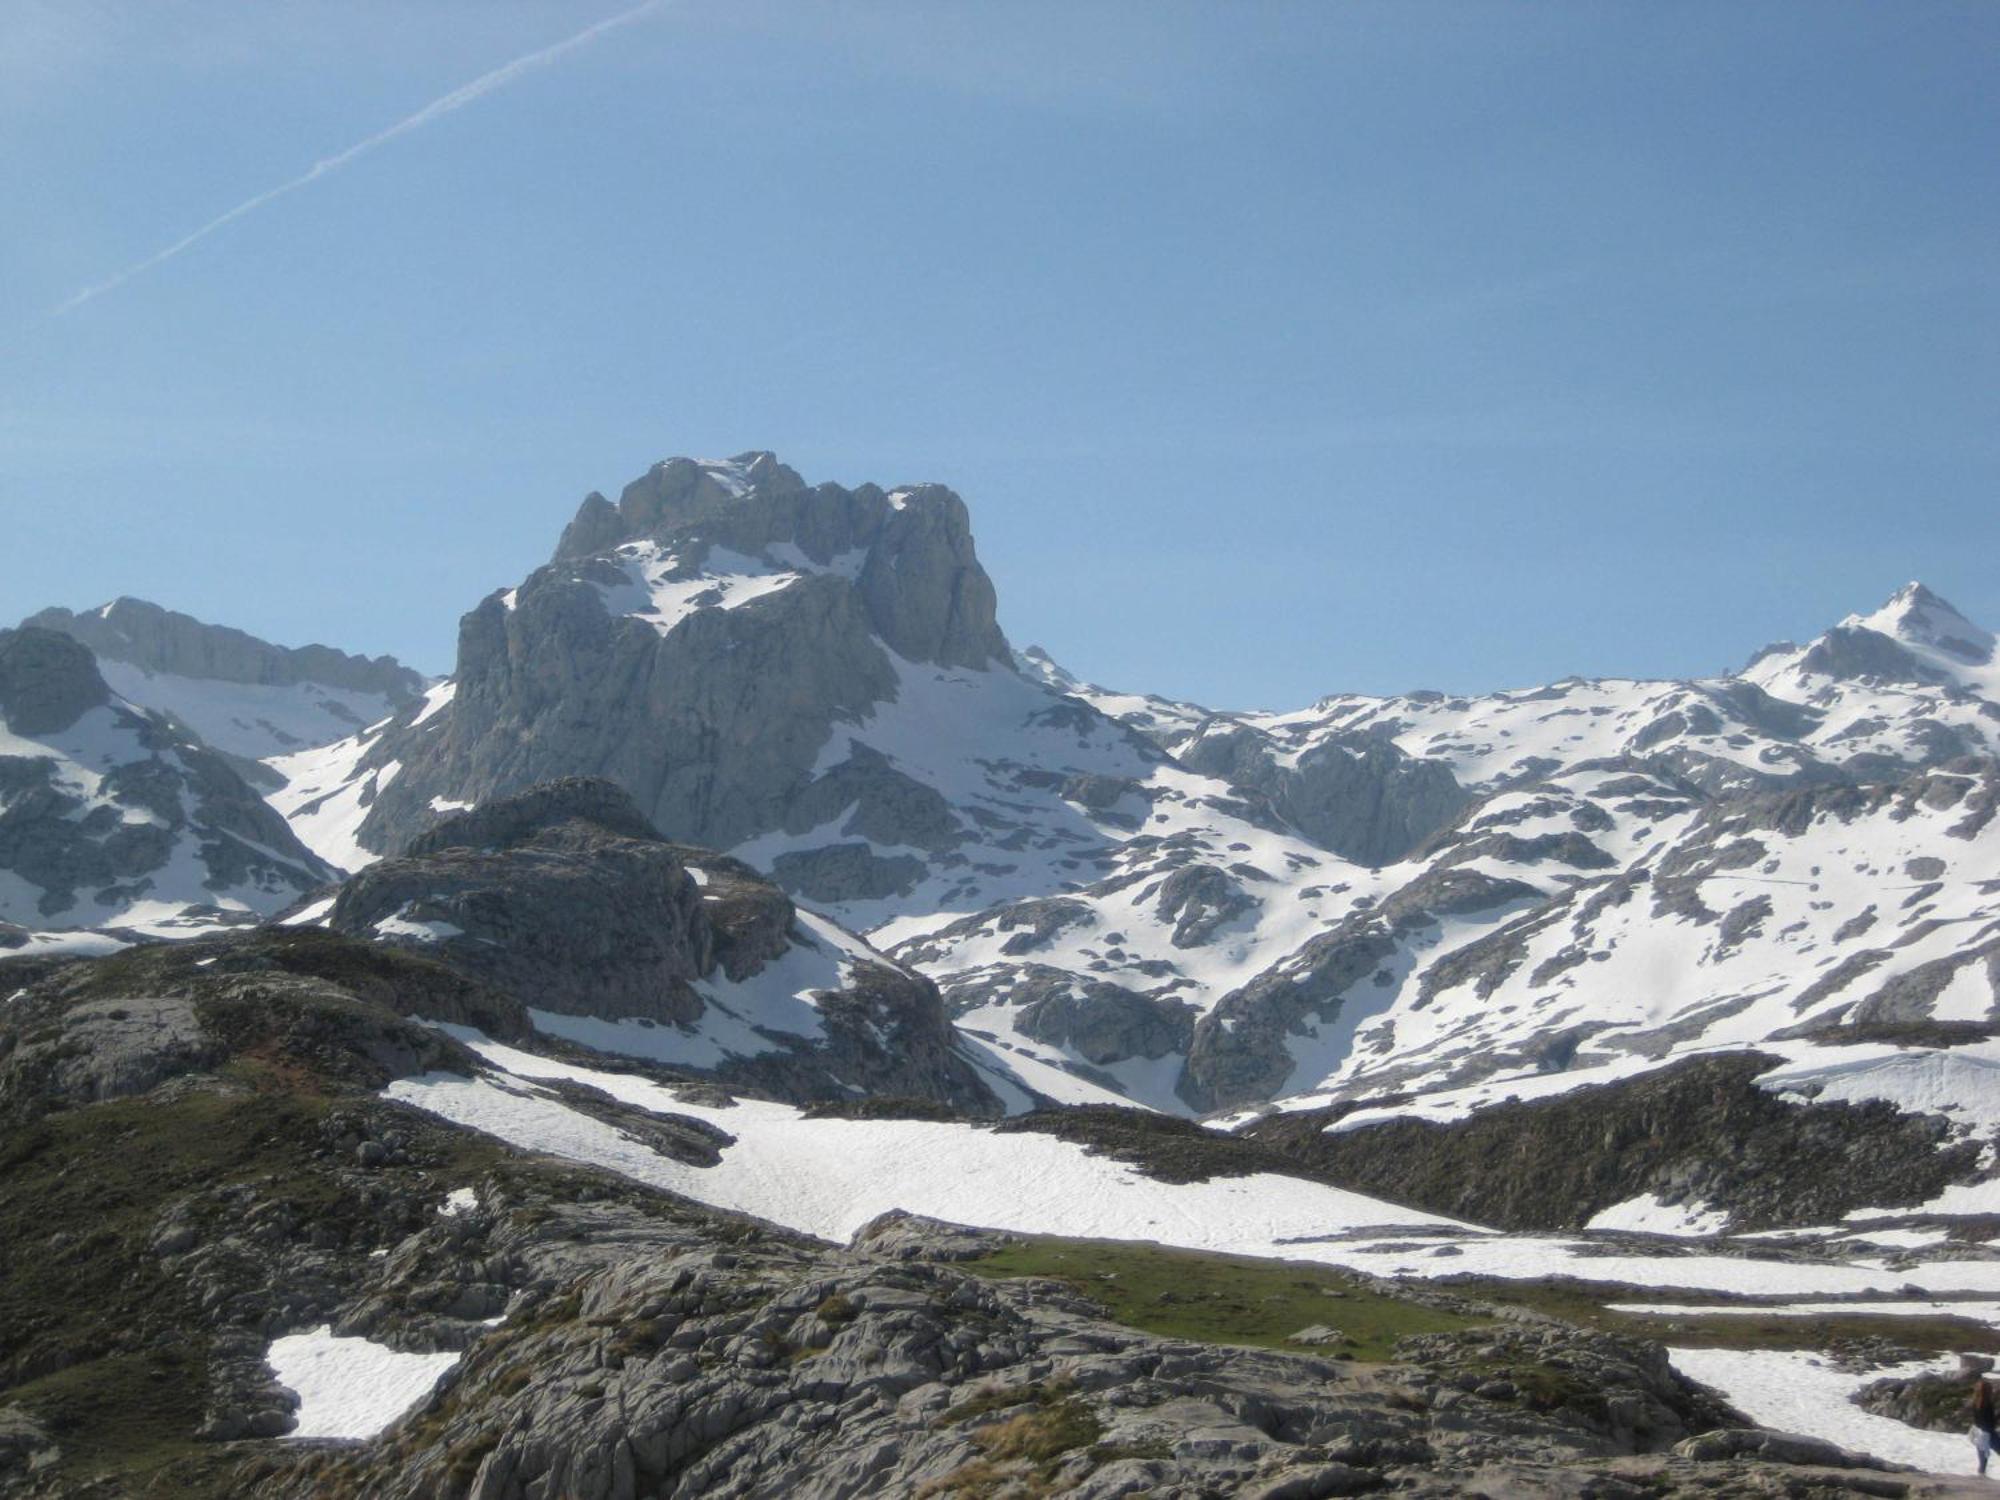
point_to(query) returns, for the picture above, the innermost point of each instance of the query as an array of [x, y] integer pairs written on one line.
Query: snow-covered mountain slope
[[1133, 897], [812, 679], [1617, 870], [829, 1177], [242, 696], [1776, 914], [116, 825]]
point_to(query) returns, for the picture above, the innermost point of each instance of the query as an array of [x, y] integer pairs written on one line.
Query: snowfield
[[829, 1177], [1791, 1391], [351, 1387], [252, 720]]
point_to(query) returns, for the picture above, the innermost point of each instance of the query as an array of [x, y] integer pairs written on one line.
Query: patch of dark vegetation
[[1923, 1033], [1228, 1299], [1020, 1453], [1162, 1146], [99, 1339], [1696, 1131], [1870, 1338]]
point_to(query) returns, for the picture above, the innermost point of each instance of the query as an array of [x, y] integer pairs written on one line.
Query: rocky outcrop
[[164, 640], [1858, 654], [563, 897], [1100, 1022], [47, 681], [1699, 1133], [1365, 800]]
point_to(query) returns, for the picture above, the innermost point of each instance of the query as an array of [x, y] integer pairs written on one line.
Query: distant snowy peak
[[1916, 639], [114, 823], [1036, 663], [242, 696], [1918, 617]]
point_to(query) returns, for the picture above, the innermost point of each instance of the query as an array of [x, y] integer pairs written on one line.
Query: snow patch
[[1792, 1391], [1647, 1214], [351, 1387]]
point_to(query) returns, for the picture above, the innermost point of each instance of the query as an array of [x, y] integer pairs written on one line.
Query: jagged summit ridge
[[244, 697], [1919, 617], [165, 640]]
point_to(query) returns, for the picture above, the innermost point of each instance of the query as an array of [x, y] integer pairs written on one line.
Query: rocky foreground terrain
[[199, 1163]]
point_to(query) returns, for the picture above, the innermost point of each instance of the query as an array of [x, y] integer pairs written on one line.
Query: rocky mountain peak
[[672, 493], [1919, 617], [1035, 662], [697, 643], [47, 681], [1916, 639], [146, 635]]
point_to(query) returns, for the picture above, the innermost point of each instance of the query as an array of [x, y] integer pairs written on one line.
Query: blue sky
[[1278, 349]]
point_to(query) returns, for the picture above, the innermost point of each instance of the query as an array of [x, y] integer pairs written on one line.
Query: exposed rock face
[[1699, 1133], [696, 643], [107, 817], [164, 640], [1366, 800], [1102, 1023], [565, 898], [86, 1031], [1241, 1051], [47, 681], [553, 907]]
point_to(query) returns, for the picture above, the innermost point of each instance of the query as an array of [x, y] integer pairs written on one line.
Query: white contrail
[[458, 98]]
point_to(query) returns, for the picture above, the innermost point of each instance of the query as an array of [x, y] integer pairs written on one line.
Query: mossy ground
[[1589, 1304], [97, 1337], [1035, 1430], [1223, 1299], [1228, 1299]]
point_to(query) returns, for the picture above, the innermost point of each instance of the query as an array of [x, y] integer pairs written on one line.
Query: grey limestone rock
[[563, 897], [164, 640], [713, 721], [1365, 799], [47, 681]]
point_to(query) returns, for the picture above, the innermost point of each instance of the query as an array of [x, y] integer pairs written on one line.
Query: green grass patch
[[1229, 1299], [97, 1337], [1587, 1304], [1223, 1299]]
